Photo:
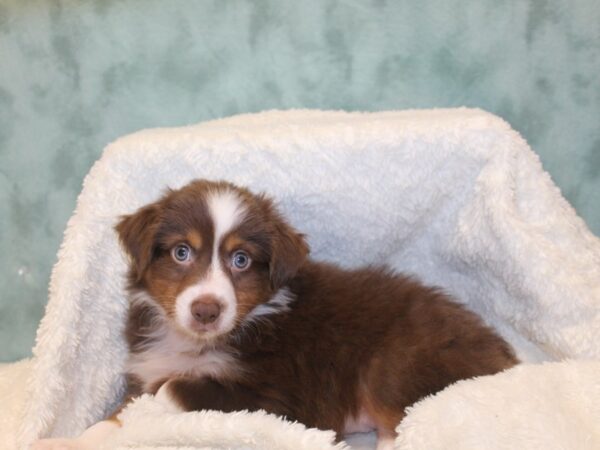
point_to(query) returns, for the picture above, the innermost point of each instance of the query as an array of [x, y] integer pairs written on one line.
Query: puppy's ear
[[137, 233], [289, 251]]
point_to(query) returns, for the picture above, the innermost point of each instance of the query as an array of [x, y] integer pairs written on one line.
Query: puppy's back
[[386, 339]]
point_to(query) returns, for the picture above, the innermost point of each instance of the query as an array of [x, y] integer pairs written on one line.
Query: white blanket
[[453, 196]]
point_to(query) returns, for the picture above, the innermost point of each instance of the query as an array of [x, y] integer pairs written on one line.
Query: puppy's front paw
[[58, 444]]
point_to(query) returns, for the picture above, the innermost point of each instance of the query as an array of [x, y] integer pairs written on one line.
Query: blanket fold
[[455, 197]]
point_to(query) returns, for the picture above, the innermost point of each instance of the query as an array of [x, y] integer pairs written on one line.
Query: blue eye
[[181, 253], [240, 260]]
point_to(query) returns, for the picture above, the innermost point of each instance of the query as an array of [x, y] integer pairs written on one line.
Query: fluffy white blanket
[[453, 196]]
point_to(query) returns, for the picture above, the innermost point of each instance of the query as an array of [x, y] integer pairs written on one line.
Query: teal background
[[75, 75]]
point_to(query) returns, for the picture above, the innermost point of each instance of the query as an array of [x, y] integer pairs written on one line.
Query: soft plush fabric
[[453, 196], [534, 406], [13, 382]]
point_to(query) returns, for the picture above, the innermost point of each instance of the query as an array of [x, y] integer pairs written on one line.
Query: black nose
[[206, 310]]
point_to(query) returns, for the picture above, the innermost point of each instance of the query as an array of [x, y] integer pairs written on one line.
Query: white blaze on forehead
[[226, 211]]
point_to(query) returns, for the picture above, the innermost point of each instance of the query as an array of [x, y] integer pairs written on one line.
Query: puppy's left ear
[[289, 251], [137, 234]]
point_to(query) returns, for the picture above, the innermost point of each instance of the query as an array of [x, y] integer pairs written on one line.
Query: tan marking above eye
[[232, 242], [194, 239]]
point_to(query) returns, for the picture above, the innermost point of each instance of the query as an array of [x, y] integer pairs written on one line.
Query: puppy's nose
[[206, 310]]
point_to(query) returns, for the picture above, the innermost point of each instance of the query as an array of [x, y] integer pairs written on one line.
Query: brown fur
[[353, 341]]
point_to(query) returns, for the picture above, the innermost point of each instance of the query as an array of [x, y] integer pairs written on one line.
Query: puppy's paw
[[58, 444]]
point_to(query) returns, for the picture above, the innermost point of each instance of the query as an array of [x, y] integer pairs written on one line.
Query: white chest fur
[[170, 354]]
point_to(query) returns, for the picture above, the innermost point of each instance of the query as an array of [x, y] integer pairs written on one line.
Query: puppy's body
[[228, 313], [347, 350]]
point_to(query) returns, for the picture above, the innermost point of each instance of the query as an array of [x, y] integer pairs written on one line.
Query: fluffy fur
[[331, 348]]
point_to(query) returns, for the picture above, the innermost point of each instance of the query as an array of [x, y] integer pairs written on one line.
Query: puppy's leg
[[197, 394], [90, 439], [386, 439]]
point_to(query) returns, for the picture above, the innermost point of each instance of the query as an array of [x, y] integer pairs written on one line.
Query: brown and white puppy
[[228, 313]]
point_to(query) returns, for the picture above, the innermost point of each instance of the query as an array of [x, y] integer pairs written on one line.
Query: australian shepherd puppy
[[228, 313]]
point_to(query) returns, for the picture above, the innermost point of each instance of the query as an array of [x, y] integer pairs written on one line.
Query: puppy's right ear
[[137, 235], [289, 253]]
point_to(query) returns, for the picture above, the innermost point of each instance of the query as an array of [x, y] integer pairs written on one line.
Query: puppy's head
[[209, 254]]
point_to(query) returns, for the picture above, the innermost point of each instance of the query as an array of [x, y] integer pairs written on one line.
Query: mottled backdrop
[[75, 75]]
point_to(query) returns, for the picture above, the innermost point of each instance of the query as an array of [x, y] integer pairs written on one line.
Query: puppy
[[228, 313]]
